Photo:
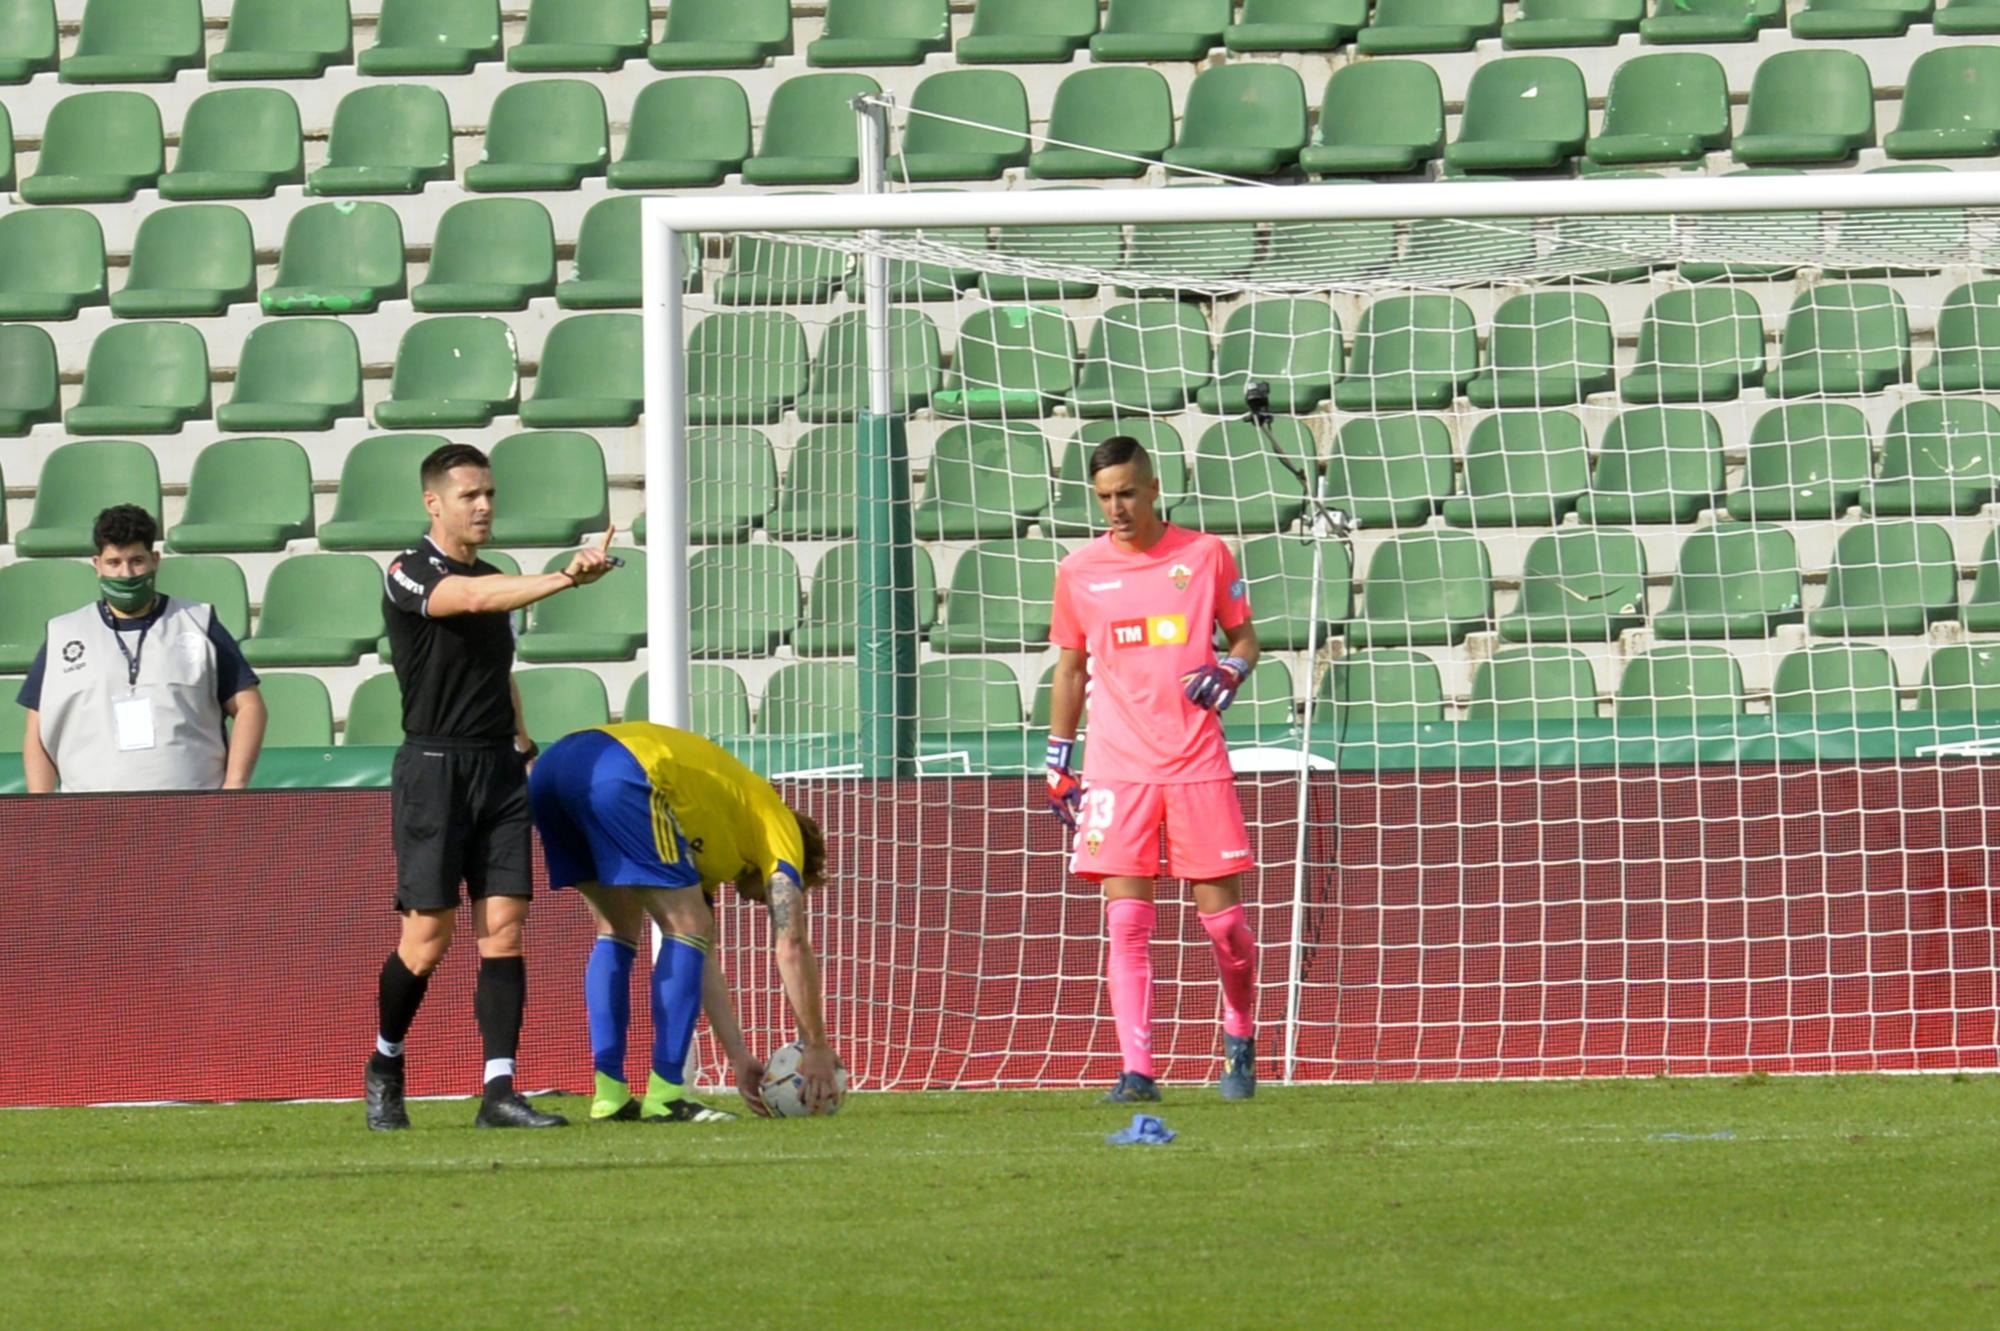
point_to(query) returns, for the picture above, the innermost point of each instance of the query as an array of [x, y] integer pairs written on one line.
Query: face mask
[[127, 595]]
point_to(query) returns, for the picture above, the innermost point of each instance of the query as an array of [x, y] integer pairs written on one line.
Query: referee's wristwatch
[[530, 753]]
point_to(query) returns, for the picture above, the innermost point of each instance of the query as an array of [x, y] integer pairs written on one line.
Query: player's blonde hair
[[814, 869]]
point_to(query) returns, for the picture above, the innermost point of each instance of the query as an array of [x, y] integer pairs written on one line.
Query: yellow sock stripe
[[695, 941]]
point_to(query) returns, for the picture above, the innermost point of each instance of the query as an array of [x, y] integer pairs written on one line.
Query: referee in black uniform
[[460, 811]]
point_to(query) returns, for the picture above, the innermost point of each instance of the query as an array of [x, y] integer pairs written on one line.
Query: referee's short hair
[[1118, 450], [447, 456]]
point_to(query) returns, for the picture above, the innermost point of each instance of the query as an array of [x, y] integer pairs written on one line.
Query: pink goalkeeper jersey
[[1147, 620]]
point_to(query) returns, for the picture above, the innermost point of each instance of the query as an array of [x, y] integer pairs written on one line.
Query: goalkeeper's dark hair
[[122, 525], [1118, 450], [814, 869], [447, 456]]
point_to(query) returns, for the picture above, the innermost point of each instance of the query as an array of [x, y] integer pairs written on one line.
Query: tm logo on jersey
[[1152, 631]]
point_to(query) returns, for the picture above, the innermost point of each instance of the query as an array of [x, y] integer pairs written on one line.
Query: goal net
[[1622, 553]]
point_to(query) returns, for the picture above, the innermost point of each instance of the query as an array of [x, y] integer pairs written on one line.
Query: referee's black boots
[[382, 1088], [509, 1110]]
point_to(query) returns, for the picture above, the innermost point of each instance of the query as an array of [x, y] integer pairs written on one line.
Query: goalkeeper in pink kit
[[1135, 613]]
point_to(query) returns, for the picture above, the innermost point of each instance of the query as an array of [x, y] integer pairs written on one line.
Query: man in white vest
[[130, 692]]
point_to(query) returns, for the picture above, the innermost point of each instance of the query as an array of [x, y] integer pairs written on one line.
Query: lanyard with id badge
[[131, 715]]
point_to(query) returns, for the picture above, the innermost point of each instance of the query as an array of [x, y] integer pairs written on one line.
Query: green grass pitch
[[1836, 1202]]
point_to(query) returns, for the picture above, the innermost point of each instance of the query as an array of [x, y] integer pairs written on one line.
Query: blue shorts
[[602, 820]]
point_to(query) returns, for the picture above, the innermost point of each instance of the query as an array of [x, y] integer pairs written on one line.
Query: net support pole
[[885, 602], [1295, 953], [667, 614]]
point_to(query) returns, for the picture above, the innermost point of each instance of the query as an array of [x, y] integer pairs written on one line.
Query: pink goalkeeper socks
[[1236, 958], [1130, 923]]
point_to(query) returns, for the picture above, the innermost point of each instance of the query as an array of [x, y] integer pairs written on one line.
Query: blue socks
[[676, 1002], [607, 996]]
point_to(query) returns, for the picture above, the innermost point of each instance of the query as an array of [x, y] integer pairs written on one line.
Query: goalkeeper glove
[[1214, 686], [1065, 791]]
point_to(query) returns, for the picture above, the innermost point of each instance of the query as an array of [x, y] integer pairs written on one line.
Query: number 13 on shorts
[[1118, 832]]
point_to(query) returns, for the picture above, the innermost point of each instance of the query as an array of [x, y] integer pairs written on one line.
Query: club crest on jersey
[[1182, 576], [1093, 841], [1150, 631]]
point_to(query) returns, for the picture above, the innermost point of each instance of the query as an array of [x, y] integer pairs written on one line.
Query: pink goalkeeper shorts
[[1118, 832]]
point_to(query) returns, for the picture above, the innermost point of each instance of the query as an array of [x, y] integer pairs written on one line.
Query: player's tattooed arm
[[798, 968], [788, 908]]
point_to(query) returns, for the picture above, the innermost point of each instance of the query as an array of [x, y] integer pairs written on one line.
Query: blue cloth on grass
[[1146, 1130]]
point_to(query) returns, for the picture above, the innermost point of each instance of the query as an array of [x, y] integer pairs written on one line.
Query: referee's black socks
[[498, 1000], [398, 996]]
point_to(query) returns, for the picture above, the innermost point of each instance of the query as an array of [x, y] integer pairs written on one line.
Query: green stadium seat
[[967, 693], [1555, 23], [1073, 509], [79, 480], [723, 34], [837, 389], [548, 134], [1025, 32], [1156, 30], [237, 143], [420, 37], [245, 494], [51, 263], [718, 703], [912, 279], [1697, 344], [1383, 686], [1293, 345], [338, 258], [829, 625], [1123, 111], [1295, 25], [763, 271], [1891, 242], [489, 254], [1731, 236], [1939, 456], [1888, 576], [1981, 611], [880, 32], [454, 370], [1424, 588], [98, 147], [1808, 106], [744, 599], [215, 580], [732, 483], [816, 496], [284, 39], [27, 39], [1013, 362], [1546, 349], [380, 505], [1630, 248], [30, 385], [375, 713], [1843, 337], [936, 149], [1100, 247], [1668, 107], [1805, 460], [744, 368], [1522, 113], [300, 712], [1855, 20], [319, 610], [7, 168], [811, 698], [1241, 486], [1522, 469], [1265, 710], [551, 489], [1390, 471], [393, 139], [1966, 18], [1680, 679], [592, 374], [604, 621], [809, 134], [1440, 248], [135, 41], [598, 35], [608, 273], [1580, 584], [1410, 352], [1335, 250], [1377, 117], [1968, 356], [556, 700], [1734, 581], [32, 592], [1183, 254], [1000, 597], [1835, 678], [1146, 356], [1279, 571], [1242, 120], [1655, 464], [190, 261], [687, 131], [984, 481], [299, 375], [1703, 22], [1410, 27], [1534, 684], [1962, 677], [149, 378]]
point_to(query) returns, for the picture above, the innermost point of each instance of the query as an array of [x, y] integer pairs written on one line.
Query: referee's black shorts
[[460, 814]]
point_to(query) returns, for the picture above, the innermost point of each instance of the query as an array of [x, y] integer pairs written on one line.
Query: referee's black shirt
[[453, 671]]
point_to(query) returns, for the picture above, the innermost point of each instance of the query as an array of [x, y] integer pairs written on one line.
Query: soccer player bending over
[[1135, 613], [645, 819]]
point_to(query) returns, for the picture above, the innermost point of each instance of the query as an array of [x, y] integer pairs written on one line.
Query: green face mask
[[127, 595]]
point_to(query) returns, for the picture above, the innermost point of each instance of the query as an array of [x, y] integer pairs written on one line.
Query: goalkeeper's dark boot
[[509, 1110], [1239, 1067], [1133, 1089], [382, 1090]]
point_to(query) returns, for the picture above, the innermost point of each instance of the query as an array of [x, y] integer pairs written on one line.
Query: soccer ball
[[784, 1090]]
